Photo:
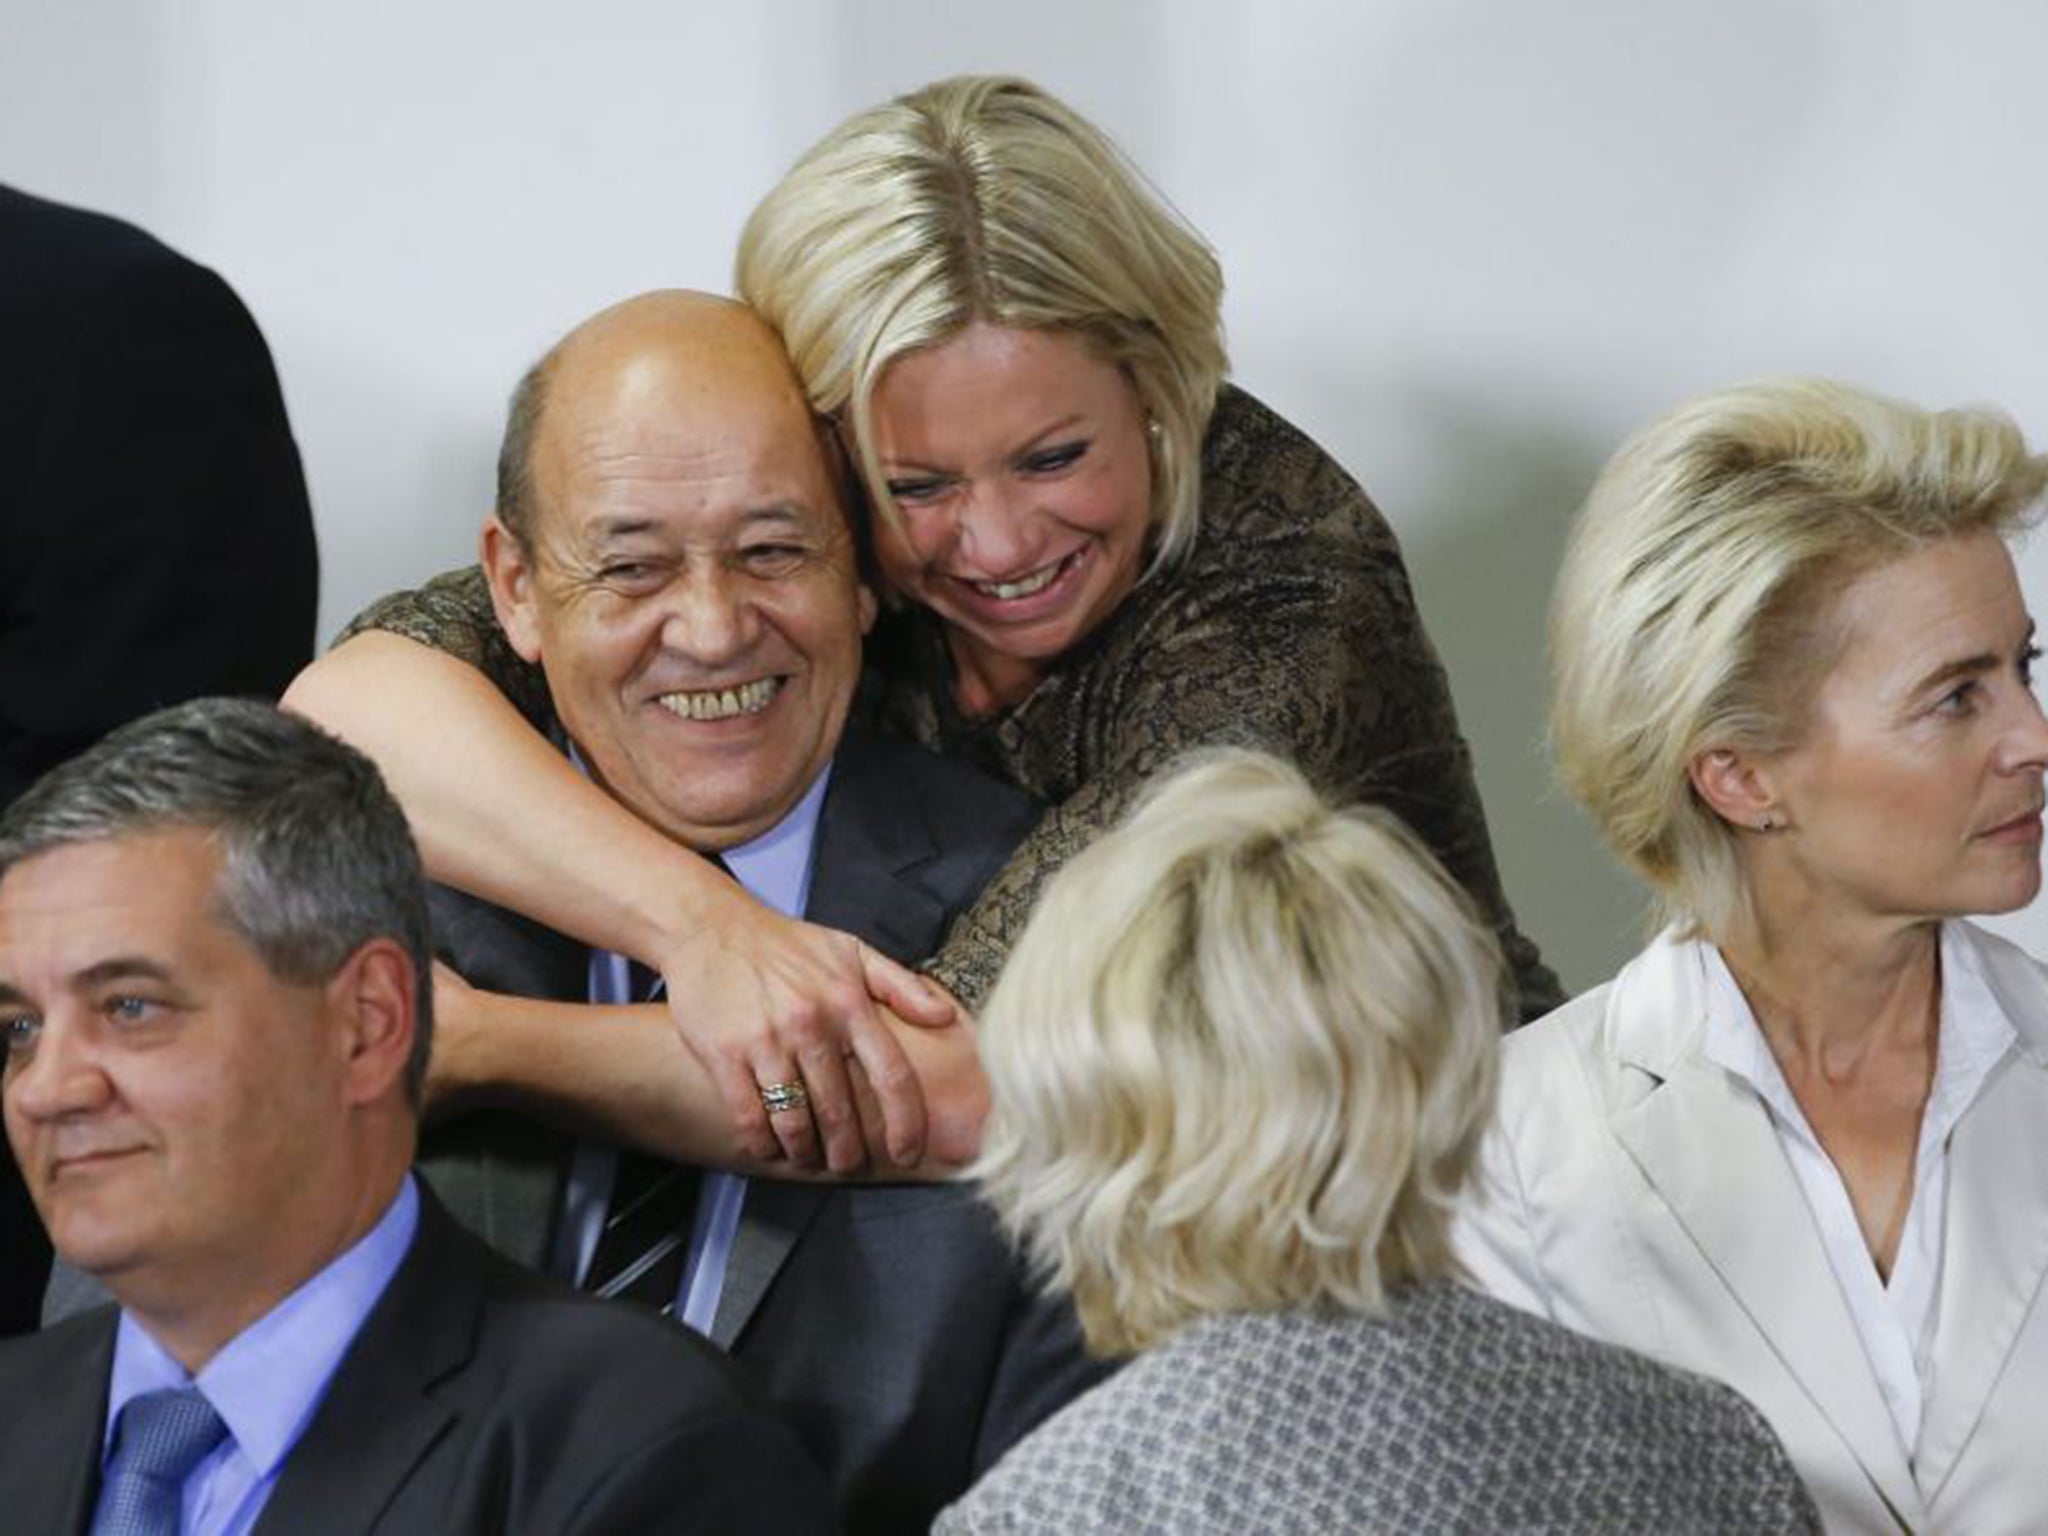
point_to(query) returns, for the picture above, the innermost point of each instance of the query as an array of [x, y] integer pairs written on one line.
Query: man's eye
[[19, 1031], [773, 557], [626, 573], [1960, 700], [128, 1009], [2028, 657]]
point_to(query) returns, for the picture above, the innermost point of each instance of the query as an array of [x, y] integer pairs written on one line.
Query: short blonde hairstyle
[[1693, 610], [1240, 1058], [985, 198]]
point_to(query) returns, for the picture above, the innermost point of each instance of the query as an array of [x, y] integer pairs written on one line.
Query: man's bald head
[[674, 340], [673, 549]]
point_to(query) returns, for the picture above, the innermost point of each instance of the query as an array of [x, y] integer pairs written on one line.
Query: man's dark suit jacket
[[479, 1399], [155, 541], [890, 1326]]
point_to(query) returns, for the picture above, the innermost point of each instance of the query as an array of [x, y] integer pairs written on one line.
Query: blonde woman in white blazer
[[1801, 1142]]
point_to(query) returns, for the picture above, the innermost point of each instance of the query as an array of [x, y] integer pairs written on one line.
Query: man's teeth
[[1038, 581], [723, 703]]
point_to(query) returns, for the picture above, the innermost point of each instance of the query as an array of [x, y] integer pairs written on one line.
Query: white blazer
[[1635, 1191]]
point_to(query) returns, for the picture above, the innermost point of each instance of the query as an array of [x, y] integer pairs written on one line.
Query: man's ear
[[1737, 786], [373, 997], [509, 569]]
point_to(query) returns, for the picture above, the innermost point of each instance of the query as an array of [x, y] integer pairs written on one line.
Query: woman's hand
[[762, 1000], [621, 1075]]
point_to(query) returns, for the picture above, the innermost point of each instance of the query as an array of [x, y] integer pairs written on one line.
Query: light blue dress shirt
[[269, 1380], [776, 870]]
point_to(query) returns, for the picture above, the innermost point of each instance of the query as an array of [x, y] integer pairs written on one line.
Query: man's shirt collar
[[267, 1381]]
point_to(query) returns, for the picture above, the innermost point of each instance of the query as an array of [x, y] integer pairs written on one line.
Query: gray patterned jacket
[[1454, 1414]]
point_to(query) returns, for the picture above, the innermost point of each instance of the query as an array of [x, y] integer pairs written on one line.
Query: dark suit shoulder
[[555, 1335], [500, 950], [906, 841], [535, 1333], [645, 1423], [62, 1345], [74, 243], [962, 805], [73, 278], [482, 1398]]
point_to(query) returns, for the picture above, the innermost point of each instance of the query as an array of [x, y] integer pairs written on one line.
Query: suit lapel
[[59, 1434], [1706, 1145], [775, 1215], [379, 1418], [1996, 1246], [871, 839]]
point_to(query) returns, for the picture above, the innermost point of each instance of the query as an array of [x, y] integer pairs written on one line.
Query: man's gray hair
[[316, 857], [517, 500]]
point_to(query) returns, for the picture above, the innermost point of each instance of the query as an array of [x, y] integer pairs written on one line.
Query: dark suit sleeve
[[156, 535], [733, 1476], [155, 538]]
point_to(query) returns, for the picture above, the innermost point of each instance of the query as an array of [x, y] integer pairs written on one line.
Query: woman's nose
[[997, 536]]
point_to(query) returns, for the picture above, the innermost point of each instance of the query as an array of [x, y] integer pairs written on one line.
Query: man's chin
[[106, 1251], [721, 807]]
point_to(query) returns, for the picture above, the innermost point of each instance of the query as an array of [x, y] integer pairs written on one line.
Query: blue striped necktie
[[646, 1234], [162, 1437]]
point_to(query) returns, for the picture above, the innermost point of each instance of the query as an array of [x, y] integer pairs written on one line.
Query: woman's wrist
[[685, 899], [460, 1067]]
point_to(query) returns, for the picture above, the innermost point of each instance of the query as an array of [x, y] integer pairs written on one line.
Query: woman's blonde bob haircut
[[983, 198], [1695, 609], [1240, 1059]]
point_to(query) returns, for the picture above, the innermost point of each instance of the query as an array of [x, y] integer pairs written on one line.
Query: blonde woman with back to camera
[[1797, 1143], [1240, 1061]]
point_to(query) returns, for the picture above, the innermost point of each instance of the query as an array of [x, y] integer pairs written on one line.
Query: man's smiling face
[[691, 590]]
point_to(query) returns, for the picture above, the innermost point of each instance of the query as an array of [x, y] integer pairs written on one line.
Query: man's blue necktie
[[162, 1437], [645, 1240]]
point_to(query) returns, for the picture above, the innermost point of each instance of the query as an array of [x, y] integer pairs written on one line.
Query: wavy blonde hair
[[986, 198], [1240, 1058], [1695, 610]]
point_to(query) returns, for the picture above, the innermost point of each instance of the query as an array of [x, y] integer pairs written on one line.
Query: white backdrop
[[1470, 243]]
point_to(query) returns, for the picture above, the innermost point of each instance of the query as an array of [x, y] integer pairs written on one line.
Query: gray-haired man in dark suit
[[213, 952]]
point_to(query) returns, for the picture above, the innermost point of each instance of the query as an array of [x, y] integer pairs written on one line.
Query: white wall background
[[1470, 243]]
